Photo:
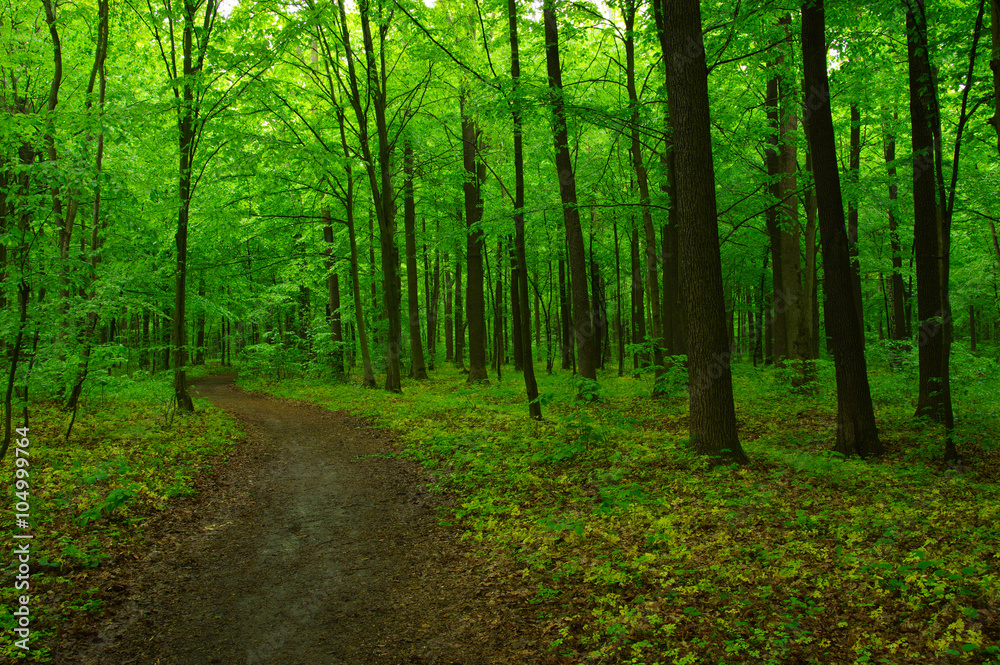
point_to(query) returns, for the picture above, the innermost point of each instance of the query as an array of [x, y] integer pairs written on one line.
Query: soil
[[310, 544]]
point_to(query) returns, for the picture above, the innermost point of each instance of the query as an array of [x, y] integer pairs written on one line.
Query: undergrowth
[[129, 454], [638, 551]]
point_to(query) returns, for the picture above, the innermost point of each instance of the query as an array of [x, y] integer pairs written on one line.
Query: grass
[[129, 456], [636, 551]]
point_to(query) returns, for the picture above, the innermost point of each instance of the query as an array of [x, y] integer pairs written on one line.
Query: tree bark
[[524, 331], [857, 433], [779, 331], [854, 166], [475, 304], [459, 318], [712, 412], [896, 287], [379, 173], [583, 329], [419, 369], [798, 346], [934, 397], [995, 66]]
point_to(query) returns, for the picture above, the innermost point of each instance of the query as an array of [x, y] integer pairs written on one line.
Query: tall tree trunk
[[459, 317], [639, 359], [361, 328], [857, 433], [712, 413], [449, 328], [475, 304], [524, 330], [433, 303], [618, 303], [379, 173], [896, 286], [515, 309], [798, 346], [995, 66], [333, 299], [565, 345], [635, 149], [811, 282], [854, 167], [934, 399], [583, 329], [779, 330], [199, 344], [419, 369]]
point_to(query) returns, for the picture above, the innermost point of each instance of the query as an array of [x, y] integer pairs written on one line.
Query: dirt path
[[305, 552]]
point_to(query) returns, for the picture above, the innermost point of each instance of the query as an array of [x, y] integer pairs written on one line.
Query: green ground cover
[[128, 456], [637, 551]]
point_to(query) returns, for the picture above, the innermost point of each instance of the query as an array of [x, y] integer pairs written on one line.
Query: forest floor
[[312, 544]]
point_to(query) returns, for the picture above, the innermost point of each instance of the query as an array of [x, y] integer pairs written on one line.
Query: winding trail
[[312, 548]]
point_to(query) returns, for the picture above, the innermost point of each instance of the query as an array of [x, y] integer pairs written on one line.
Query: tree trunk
[[449, 328], [811, 281], [459, 317], [524, 330], [618, 303], [854, 167], [583, 329], [934, 397], [779, 330], [995, 66], [798, 346], [419, 369], [857, 433], [896, 287], [712, 413], [368, 373], [379, 174], [333, 300], [639, 359], [565, 345], [199, 345], [475, 305]]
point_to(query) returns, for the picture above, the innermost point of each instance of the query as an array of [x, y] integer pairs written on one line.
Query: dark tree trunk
[[199, 345], [368, 373], [854, 167], [811, 282], [896, 287], [934, 398], [712, 413], [639, 359], [449, 327], [798, 346], [379, 174], [515, 310], [565, 345], [618, 304], [779, 331], [583, 329], [995, 66], [333, 299], [475, 304], [419, 369], [857, 433], [521, 303], [459, 317]]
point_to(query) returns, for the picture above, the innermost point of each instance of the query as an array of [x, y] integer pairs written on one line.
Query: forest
[[683, 313]]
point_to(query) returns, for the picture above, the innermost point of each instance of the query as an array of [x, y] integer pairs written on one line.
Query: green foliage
[[634, 550], [91, 499]]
